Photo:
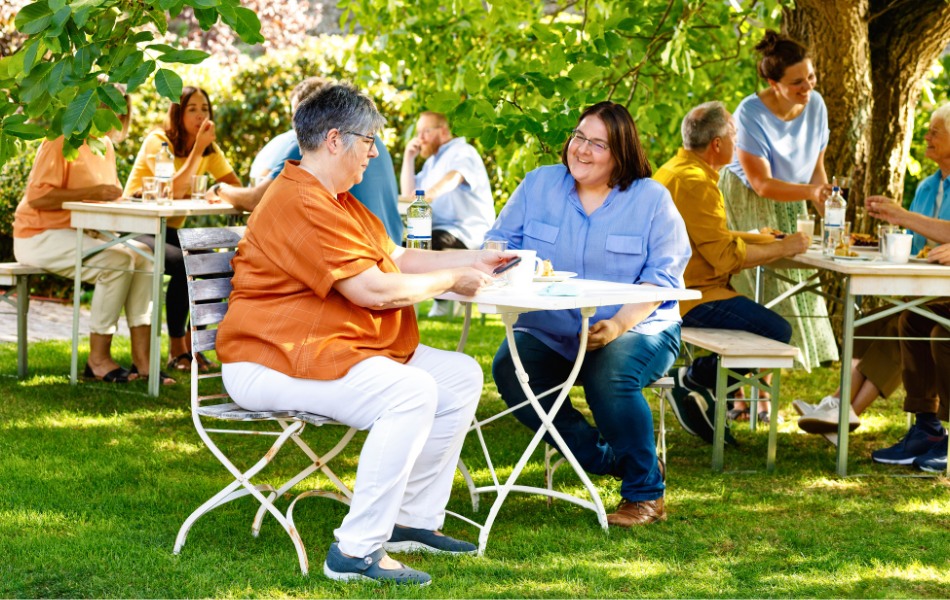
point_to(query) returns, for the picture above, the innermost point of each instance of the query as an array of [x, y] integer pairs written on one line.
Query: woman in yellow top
[[189, 132]]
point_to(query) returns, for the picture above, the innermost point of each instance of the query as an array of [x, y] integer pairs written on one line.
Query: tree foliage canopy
[[516, 74]]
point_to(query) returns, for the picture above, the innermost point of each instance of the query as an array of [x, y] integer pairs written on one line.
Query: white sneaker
[[802, 407], [442, 308], [824, 419]]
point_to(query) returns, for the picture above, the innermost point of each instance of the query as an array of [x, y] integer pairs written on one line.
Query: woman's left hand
[[487, 261], [940, 254], [602, 333]]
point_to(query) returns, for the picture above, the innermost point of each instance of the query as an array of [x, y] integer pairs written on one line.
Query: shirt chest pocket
[[541, 237], [624, 256]]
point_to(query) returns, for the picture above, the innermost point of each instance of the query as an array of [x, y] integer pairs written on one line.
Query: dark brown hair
[[174, 125], [624, 141], [779, 52]]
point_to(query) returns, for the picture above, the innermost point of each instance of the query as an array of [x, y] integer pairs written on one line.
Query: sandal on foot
[[119, 375], [735, 413], [205, 364], [175, 363], [166, 378], [764, 417]]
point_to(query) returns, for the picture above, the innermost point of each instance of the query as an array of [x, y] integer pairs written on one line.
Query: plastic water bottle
[[419, 217], [834, 222], [164, 172]]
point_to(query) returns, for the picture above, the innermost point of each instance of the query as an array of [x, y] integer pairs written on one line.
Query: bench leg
[[773, 417], [77, 292], [719, 437], [754, 409], [22, 308]]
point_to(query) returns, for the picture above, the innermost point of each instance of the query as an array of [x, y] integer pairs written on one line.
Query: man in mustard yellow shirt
[[709, 139]]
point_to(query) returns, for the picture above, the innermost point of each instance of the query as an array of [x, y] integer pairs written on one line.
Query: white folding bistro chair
[[201, 249]]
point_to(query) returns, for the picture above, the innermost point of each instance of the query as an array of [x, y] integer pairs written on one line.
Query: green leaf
[[71, 148], [80, 111], [105, 120], [163, 48], [140, 75], [98, 147], [36, 84], [38, 106], [60, 17], [207, 17], [565, 87], [63, 67], [81, 15], [584, 71], [488, 138], [33, 18], [498, 82], [86, 4], [113, 98], [141, 36], [228, 15], [188, 57], [443, 102], [24, 131], [167, 4], [128, 66], [158, 17], [203, 3], [168, 84], [473, 82], [614, 42], [57, 5], [543, 33], [82, 63], [33, 53], [248, 26]]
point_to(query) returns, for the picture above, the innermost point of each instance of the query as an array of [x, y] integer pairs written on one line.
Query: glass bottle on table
[[834, 222], [164, 172], [419, 221]]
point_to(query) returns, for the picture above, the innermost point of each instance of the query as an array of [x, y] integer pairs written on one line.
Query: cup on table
[[149, 189], [898, 247], [882, 231], [806, 225], [199, 185], [165, 191], [500, 246], [844, 182], [524, 272]]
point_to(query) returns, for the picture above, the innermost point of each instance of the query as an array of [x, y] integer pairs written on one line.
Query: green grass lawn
[[96, 480]]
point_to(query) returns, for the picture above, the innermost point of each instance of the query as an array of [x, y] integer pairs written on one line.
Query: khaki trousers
[[926, 364], [55, 251]]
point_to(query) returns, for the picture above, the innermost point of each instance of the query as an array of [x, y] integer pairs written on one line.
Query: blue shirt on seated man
[[600, 215], [377, 192]]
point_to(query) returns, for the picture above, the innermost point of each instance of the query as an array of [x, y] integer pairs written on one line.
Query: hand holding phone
[[506, 265]]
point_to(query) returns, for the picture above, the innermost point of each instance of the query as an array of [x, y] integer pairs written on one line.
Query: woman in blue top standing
[[600, 215], [782, 133]]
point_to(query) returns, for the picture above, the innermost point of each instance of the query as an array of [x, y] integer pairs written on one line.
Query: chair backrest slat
[[210, 238], [209, 314], [210, 263], [204, 339], [210, 289]]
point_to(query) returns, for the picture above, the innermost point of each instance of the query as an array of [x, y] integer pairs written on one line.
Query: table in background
[[509, 303], [132, 219], [922, 281]]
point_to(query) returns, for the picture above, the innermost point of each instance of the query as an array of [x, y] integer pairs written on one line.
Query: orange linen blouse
[[284, 312], [52, 171]]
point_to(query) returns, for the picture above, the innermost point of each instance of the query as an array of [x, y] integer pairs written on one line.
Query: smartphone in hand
[[506, 265]]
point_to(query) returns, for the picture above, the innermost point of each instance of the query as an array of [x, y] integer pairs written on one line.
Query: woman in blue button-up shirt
[[600, 215]]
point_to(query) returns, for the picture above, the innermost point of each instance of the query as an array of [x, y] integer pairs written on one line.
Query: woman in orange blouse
[[42, 237], [321, 320]]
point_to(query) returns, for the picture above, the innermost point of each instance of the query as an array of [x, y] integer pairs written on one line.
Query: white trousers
[[55, 251], [417, 415]]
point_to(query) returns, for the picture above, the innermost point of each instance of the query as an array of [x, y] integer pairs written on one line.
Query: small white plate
[[854, 258], [558, 276], [914, 259]]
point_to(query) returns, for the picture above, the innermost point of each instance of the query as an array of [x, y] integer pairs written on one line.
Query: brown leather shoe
[[644, 512]]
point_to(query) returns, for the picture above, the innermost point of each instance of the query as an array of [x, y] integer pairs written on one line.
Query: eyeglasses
[[371, 138], [428, 130], [598, 147]]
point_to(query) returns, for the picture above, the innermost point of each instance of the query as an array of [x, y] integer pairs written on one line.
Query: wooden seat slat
[[211, 263], [210, 289], [209, 314], [210, 238], [729, 342]]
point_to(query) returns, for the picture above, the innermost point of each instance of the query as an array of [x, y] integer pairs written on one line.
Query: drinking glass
[[501, 246], [199, 185], [149, 189], [844, 182], [882, 231], [165, 193], [806, 224]]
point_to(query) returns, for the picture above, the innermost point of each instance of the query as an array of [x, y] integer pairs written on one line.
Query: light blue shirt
[[925, 199], [637, 236], [467, 211], [791, 147]]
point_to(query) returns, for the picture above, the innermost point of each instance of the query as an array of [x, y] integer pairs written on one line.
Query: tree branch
[[893, 4]]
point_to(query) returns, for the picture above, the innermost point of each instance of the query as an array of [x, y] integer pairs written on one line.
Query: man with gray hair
[[709, 140]]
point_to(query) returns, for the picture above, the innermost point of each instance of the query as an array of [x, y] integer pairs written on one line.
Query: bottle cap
[[835, 189], [420, 192]]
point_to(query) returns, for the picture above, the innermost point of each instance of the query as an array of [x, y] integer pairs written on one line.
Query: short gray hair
[[340, 106], [703, 124], [942, 113]]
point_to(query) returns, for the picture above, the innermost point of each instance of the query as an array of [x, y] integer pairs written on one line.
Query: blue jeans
[[613, 379], [734, 313]]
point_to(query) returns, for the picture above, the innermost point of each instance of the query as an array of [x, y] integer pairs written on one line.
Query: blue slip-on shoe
[[344, 568], [915, 443], [408, 539], [934, 461]]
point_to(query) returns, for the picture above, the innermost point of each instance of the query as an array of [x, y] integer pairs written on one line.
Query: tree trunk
[[905, 41], [837, 35]]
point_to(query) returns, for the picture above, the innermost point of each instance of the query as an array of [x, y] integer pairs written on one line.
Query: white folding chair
[[202, 258]]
